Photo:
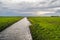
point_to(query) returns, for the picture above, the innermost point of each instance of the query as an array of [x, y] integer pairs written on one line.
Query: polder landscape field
[[45, 28], [6, 21], [42, 28]]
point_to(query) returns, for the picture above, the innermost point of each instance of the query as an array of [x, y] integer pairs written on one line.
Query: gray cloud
[[28, 8]]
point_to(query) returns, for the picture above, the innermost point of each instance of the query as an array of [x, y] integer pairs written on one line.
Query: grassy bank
[[7, 21], [45, 28]]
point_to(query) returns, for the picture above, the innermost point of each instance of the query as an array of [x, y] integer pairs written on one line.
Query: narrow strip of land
[[17, 31]]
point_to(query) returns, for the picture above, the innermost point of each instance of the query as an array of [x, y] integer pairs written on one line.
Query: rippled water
[[17, 31]]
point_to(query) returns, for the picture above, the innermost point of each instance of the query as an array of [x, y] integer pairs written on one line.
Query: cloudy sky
[[29, 7]]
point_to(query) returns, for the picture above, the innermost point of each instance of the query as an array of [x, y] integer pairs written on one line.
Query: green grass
[[45, 28], [7, 21]]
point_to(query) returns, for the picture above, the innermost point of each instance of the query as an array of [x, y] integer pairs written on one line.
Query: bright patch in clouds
[[38, 13], [29, 7], [43, 12]]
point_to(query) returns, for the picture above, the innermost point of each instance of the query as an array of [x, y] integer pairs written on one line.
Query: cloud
[[28, 7]]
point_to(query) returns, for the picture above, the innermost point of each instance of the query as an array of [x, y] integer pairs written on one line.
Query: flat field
[[45, 28], [7, 21]]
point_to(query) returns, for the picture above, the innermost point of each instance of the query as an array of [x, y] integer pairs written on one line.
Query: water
[[17, 31]]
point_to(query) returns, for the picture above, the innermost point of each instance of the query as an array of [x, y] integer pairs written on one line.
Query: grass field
[[45, 28], [7, 21]]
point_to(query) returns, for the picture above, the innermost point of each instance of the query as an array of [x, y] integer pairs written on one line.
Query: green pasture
[[45, 28], [7, 21]]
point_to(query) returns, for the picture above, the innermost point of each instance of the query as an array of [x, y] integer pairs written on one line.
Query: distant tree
[[55, 16]]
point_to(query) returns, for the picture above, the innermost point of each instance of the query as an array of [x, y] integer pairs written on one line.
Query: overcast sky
[[29, 7]]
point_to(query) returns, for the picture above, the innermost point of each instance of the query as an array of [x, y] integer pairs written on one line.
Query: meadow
[[6, 21], [45, 28]]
